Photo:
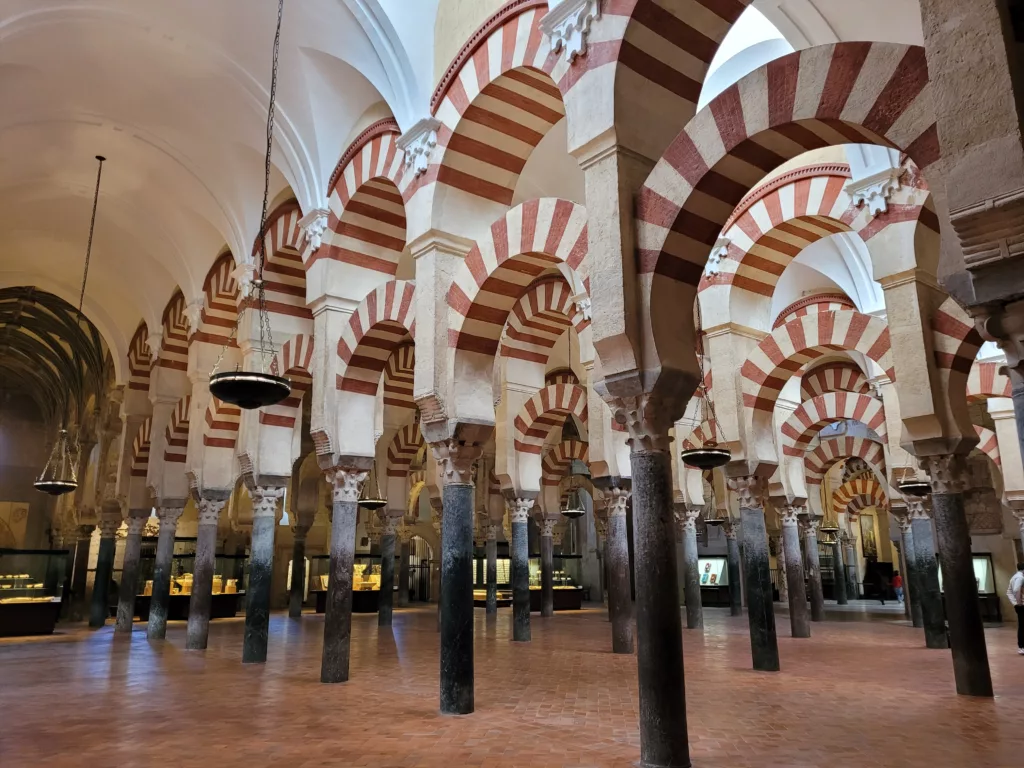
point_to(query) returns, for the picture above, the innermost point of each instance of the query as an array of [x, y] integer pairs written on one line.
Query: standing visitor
[[1015, 593], [897, 585]]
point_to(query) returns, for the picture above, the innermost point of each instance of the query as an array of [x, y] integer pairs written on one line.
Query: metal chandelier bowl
[[249, 389], [58, 476], [914, 487], [708, 456]]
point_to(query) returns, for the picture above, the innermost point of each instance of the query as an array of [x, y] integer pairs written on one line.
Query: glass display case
[[365, 582], [714, 580], [988, 597], [31, 585], [230, 577], [566, 576]]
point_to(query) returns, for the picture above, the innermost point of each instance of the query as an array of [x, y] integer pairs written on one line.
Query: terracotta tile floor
[[856, 694]]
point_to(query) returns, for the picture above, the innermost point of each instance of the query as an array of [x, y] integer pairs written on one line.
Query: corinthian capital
[[946, 472], [456, 458], [748, 488], [789, 515], [617, 499], [547, 526], [209, 511], [519, 510], [647, 420], [264, 501], [347, 483]]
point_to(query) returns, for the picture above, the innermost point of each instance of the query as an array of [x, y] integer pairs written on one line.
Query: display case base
[[22, 619], [222, 606], [564, 599]]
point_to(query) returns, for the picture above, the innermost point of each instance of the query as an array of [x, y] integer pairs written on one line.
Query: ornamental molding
[[169, 517], [718, 253], [387, 125], [313, 226], [916, 510], [875, 190], [748, 490], [418, 143], [209, 511], [647, 421], [582, 302], [807, 172], [992, 230], [567, 25], [155, 341], [616, 501], [194, 312], [244, 274]]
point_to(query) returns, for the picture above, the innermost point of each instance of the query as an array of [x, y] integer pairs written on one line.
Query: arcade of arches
[[519, 257]]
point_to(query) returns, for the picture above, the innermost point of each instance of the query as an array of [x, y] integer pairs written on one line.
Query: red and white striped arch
[[495, 103], [818, 462], [366, 226], [808, 419], [790, 347], [539, 319], [546, 411], [988, 444], [222, 424], [559, 458], [296, 357], [859, 493], [985, 381], [403, 449], [825, 95], [704, 433], [529, 240], [383, 321], [560, 376], [140, 449], [810, 305], [220, 307], [174, 345], [398, 377], [140, 361], [834, 377], [177, 432], [956, 341], [284, 276]]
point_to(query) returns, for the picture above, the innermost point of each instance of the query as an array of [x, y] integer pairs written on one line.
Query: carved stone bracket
[[313, 226], [568, 26], [718, 253], [875, 190], [418, 143], [946, 472], [647, 419], [264, 501]]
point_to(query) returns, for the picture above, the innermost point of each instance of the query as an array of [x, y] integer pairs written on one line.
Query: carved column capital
[[731, 529], [686, 518], [492, 532], [405, 534], [647, 419], [169, 517], [346, 483], [389, 523], [519, 510], [456, 458], [209, 511], [136, 525], [617, 498], [436, 514], [547, 526], [916, 510], [813, 522], [600, 526], [264, 501], [748, 489], [946, 472], [789, 515]]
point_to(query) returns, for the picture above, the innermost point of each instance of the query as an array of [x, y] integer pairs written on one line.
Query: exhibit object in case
[[230, 576], [714, 580], [365, 582], [31, 585], [566, 594]]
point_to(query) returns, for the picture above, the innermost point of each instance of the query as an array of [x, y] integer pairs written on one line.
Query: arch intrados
[[814, 414], [546, 411]]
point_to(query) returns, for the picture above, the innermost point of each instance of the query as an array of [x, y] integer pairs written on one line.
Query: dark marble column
[[456, 677], [814, 570], [663, 728], [347, 482], [764, 645], [404, 553], [69, 541], [735, 575], [198, 631], [799, 612], [491, 548], [1017, 393], [159, 603], [547, 568], [265, 502], [780, 567], [297, 587], [80, 572], [850, 558], [686, 521], [911, 579], [98, 610], [953, 536], [839, 571], [933, 613], [519, 512], [388, 538], [900, 567], [130, 571], [620, 601]]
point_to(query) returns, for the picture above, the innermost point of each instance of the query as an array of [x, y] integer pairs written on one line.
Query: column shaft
[[799, 613], [814, 574], [129, 580], [156, 629], [101, 583], [520, 581], [911, 587], [296, 590], [663, 728], [492, 575], [764, 645], [80, 573], [735, 576], [457, 600], [691, 578], [966, 631], [385, 606], [839, 572], [852, 582], [932, 612], [257, 609], [198, 631], [620, 602], [338, 617], [547, 576], [404, 553]]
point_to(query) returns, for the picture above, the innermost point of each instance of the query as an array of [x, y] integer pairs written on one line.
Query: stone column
[[265, 502], [80, 572], [198, 631], [911, 586], [110, 521], [735, 576], [900, 567], [456, 457], [492, 569], [686, 520], [663, 729], [547, 568], [814, 569], [347, 482], [297, 588], [780, 567], [620, 601], [404, 555], [156, 629], [933, 614], [519, 514], [839, 570], [799, 614], [388, 536], [850, 557], [130, 570], [952, 533], [764, 644]]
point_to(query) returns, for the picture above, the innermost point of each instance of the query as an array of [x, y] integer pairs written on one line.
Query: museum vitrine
[[31, 584]]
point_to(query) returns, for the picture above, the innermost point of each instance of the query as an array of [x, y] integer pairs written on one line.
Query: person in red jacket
[[897, 585]]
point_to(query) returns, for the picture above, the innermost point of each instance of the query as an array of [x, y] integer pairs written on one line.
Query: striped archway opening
[[986, 380], [560, 376], [546, 411], [296, 358], [220, 304], [539, 318], [140, 449], [988, 444], [809, 305], [704, 433], [812, 415], [558, 459], [174, 345], [140, 361], [382, 322], [955, 348], [833, 377], [176, 448], [858, 494], [403, 448], [398, 377], [284, 275], [818, 462], [223, 421]]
